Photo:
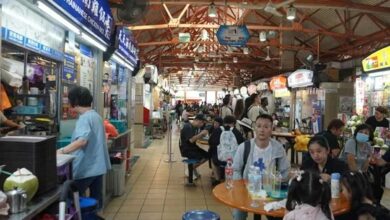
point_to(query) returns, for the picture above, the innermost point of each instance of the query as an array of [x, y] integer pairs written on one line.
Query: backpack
[[227, 144]]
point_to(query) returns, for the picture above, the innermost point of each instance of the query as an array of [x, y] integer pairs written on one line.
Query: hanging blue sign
[[126, 45], [95, 15], [232, 35], [16, 38]]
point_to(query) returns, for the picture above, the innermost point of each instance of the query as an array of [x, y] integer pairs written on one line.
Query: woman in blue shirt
[[88, 145]]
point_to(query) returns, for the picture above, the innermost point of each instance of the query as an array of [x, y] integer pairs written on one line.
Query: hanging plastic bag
[[3, 204]]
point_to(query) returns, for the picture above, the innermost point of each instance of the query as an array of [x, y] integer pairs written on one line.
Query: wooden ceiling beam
[[260, 4]]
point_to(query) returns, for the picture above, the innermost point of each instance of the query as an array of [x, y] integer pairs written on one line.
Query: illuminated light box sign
[[94, 15], [282, 93], [300, 78], [380, 60], [279, 82], [126, 45]]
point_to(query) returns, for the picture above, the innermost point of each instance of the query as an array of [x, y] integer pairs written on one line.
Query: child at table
[[356, 187], [308, 198]]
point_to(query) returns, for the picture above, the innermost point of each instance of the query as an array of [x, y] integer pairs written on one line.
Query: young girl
[[308, 198], [357, 189]]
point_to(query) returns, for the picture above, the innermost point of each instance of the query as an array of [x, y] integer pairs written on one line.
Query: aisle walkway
[[155, 189]]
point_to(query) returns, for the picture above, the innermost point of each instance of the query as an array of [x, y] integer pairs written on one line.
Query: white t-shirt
[[265, 153], [185, 115], [225, 111], [253, 112]]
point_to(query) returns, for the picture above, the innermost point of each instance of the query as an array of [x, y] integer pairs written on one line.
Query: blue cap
[[335, 176]]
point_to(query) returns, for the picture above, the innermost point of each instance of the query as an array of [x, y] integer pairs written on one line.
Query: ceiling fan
[[268, 57], [273, 8]]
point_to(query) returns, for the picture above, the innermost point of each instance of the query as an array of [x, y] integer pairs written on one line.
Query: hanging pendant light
[[212, 11], [291, 13]]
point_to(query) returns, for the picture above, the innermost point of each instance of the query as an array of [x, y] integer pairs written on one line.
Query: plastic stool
[[200, 215], [190, 163], [88, 207]]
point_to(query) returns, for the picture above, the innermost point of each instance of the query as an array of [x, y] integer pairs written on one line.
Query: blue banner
[[85, 50], [126, 45], [16, 38], [69, 72], [233, 35], [95, 15]]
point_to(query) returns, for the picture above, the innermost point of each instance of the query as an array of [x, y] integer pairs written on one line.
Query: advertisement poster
[[87, 68], [345, 104]]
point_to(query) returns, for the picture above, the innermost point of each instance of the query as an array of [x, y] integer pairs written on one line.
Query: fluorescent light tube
[[58, 17], [120, 60], [93, 41]]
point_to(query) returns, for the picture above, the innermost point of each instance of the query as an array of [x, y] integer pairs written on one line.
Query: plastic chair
[[200, 215]]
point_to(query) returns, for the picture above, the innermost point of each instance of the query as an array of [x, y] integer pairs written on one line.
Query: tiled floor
[[155, 189]]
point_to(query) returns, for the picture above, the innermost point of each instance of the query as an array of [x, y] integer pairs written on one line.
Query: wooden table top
[[239, 198]]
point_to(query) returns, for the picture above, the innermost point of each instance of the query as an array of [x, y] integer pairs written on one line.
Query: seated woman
[[358, 150], [320, 161], [356, 188]]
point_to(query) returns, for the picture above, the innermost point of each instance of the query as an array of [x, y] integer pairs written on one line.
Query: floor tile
[[150, 216]]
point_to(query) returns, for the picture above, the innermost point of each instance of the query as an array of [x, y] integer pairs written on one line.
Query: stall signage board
[[94, 15], [380, 60], [16, 38], [126, 45], [26, 28], [282, 93], [232, 35], [279, 82], [262, 86], [300, 78]]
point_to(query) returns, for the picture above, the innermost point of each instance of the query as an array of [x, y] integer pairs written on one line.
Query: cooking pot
[[17, 200]]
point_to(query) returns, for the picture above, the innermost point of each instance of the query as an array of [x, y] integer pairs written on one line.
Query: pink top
[[306, 212]]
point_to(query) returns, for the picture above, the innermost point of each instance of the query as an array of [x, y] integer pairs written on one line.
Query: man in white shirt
[[262, 146]]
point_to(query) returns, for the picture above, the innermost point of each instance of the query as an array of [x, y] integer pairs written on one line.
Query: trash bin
[[117, 175]]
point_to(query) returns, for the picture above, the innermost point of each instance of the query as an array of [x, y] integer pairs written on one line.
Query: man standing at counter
[[88, 145]]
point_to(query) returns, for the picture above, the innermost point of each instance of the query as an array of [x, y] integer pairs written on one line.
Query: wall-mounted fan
[[273, 8], [131, 11], [268, 57]]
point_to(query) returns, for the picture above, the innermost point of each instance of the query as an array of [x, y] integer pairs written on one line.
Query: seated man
[[215, 140], [262, 146], [188, 137]]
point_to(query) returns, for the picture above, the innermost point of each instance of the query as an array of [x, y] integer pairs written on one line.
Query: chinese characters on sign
[[126, 45], [93, 14]]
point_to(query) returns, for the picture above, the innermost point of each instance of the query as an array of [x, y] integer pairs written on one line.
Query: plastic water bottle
[[335, 185], [229, 174], [250, 186], [276, 183], [257, 182]]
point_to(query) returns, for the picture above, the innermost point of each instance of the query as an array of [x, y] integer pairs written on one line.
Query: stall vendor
[[88, 145], [379, 119], [5, 121]]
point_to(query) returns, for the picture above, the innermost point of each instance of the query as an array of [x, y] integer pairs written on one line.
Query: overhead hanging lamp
[[212, 10], [291, 13], [263, 36]]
